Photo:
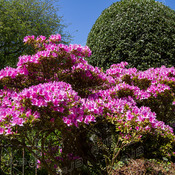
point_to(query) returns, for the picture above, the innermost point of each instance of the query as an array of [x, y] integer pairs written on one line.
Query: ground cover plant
[[141, 166], [82, 118]]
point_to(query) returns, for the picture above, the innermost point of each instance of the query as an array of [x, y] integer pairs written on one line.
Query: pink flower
[[147, 128], [67, 121], [27, 38], [152, 118], [54, 54], [55, 38], [17, 121], [28, 113], [129, 116], [140, 118], [89, 118], [1, 131], [36, 115], [137, 128], [80, 118], [41, 38], [8, 131], [38, 163]]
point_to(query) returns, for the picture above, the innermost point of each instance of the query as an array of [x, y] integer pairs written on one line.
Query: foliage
[[141, 32], [19, 18], [58, 105]]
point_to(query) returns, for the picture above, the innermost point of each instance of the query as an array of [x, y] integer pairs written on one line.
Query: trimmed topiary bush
[[141, 32]]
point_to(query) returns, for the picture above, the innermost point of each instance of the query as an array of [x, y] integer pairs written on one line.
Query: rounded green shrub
[[141, 32]]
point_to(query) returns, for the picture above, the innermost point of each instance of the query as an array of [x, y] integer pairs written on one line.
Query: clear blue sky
[[80, 15]]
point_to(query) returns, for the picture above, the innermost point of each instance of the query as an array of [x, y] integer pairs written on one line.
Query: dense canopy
[[19, 18], [141, 32]]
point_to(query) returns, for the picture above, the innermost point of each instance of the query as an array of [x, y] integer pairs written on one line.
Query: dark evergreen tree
[[141, 32]]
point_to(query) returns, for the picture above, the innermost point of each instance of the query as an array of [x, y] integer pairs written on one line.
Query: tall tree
[[19, 18]]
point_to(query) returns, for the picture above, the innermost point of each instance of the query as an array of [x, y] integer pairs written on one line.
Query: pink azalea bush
[[55, 94]]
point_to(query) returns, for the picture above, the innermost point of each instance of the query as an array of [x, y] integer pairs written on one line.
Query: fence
[[16, 161]]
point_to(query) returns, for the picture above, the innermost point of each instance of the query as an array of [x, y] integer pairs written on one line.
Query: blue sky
[[80, 15]]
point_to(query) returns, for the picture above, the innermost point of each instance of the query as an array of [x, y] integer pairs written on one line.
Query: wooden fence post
[[23, 160], [11, 161]]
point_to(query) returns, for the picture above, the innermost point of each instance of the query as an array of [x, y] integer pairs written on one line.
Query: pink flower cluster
[[73, 57], [56, 96], [28, 38], [81, 51], [156, 76], [12, 72], [159, 88], [111, 96], [41, 38], [55, 38], [106, 99], [153, 74], [118, 71], [75, 53], [46, 86]]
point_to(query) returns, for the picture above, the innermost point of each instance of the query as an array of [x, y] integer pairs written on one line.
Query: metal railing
[[16, 161]]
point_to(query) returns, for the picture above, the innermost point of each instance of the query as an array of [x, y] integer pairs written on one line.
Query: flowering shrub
[[55, 96], [153, 87]]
